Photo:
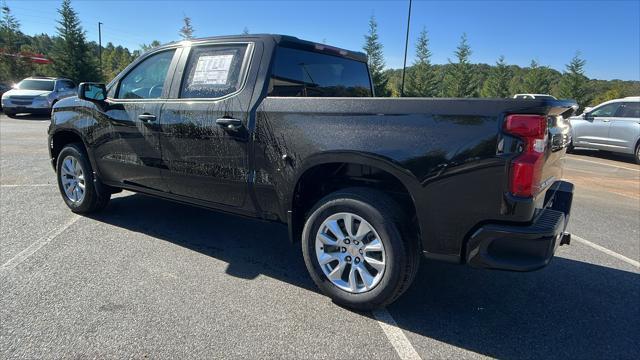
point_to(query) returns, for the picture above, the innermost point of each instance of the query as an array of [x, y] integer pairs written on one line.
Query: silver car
[[36, 95], [613, 126]]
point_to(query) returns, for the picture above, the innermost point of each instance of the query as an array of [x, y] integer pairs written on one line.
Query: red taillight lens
[[526, 169]]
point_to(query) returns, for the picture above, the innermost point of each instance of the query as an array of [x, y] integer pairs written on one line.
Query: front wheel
[[76, 183], [638, 154], [357, 249]]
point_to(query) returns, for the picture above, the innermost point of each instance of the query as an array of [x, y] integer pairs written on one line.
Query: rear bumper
[[524, 248]]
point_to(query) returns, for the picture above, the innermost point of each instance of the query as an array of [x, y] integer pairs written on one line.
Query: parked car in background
[[534, 96], [3, 89], [36, 95], [612, 126]]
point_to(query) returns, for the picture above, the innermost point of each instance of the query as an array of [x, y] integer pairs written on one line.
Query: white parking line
[[24, 185], [605, 164], [395, 335], [606, 251], [24, 254]]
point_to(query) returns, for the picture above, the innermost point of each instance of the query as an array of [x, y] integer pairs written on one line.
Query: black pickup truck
[[281, 129]]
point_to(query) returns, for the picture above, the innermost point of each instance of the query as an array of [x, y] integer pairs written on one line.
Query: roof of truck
[[285, 40]]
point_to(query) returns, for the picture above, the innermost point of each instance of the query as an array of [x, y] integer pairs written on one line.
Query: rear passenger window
[[631, 110], [213, 71]]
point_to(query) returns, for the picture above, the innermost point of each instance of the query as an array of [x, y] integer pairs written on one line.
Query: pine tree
[[422, 77], [12, 68], [573, 84], [497, 84], [71, 56], [460, 80], [373, 48], [151, 45], [245, 31], [186, 32], [536, 81]]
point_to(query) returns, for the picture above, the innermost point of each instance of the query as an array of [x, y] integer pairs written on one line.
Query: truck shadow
[[607, 155], [570, 309]]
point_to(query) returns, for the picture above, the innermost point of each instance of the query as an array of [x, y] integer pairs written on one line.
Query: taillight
[[526, 169]]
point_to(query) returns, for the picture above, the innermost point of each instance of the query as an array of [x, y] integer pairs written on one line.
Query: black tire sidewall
[[390, 237], [90, 192]]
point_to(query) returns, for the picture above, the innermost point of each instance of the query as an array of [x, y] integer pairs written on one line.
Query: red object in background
[[35, 58]]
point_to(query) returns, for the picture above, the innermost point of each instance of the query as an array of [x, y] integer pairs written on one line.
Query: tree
[[71, 56], [151, 45], [422, 77], [497, 84], [460, 80], [375, 56], [573, 84], [12, 67], [245, 31], [186, 31], [537, 80]]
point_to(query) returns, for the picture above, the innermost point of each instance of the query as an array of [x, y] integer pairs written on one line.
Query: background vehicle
[[36, 95], [3, 88], [613, 126], [534, 96], [283, 129]]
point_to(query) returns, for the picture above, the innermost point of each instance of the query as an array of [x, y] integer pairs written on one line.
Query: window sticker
[[212, 70]]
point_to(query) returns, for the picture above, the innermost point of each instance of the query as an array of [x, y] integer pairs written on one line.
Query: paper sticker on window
[[212, 70]]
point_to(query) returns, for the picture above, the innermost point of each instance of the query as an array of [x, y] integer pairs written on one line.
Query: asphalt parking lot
[[150, 278]]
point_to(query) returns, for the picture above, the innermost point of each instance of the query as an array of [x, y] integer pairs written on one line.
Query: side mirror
[[587, 116], [95, 92]]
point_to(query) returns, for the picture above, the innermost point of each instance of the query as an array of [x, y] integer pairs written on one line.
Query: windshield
[[44, 85]]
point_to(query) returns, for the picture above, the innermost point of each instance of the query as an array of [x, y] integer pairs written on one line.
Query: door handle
[[146, 117], [229, 123], [605, 120]]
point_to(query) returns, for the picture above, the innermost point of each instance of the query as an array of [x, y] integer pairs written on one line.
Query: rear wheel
[[638, 153], [357, 250], [77, 186]]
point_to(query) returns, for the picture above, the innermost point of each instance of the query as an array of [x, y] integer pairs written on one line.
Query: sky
[[606, 33]]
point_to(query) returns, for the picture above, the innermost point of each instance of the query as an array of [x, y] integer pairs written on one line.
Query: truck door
[[130, 151], [204, 133]]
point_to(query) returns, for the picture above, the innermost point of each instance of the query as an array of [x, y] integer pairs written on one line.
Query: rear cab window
[[302, 73]]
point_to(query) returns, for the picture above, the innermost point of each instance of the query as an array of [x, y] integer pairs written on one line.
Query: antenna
[[406, 45]]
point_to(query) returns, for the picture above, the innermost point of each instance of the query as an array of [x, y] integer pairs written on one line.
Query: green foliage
[[373, 48], [71, 56], [497, 84], [537, 80], [12, 68], [186, 31], [423, 79], [574, 84], [114, 60], [460, 81]]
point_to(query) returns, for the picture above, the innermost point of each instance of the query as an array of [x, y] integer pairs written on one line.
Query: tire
[[94, 197], [638, 154], [570, 148], [10, 114], [389, 224]]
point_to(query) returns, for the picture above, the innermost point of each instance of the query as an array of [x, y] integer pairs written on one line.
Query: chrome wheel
[[72, 179], [350, 252]]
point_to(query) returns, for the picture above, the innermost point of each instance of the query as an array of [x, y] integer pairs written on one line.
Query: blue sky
[[607, 33]]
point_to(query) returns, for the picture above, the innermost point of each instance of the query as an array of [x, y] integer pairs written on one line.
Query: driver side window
[[146, 80], [608, 110]]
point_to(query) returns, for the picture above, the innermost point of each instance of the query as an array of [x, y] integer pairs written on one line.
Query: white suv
[[613, 126], [36, 95]]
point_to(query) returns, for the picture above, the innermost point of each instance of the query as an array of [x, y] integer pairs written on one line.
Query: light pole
[[100, 46], [406, 45]]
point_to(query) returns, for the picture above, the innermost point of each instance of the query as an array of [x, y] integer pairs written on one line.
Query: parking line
[[605, 164], [396, 337], [24, 185], [24, 254], [606, 251]]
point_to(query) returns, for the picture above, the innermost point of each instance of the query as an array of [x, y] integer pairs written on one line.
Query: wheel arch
[[61, 137], [343, 164]]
